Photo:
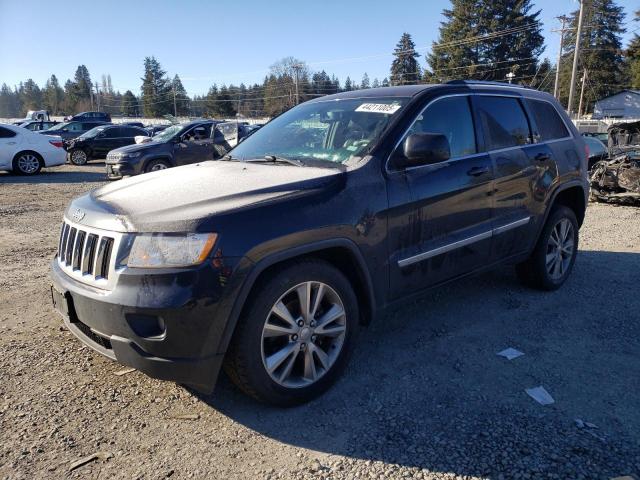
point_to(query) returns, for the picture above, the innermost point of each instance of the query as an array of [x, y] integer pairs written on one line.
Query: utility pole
[[97, 96], [297, 68], [576, 53], [584, 79], [556, 87], [175, 105]]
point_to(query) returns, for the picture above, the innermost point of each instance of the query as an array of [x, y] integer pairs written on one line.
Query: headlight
[[168, 250], [131, 155]]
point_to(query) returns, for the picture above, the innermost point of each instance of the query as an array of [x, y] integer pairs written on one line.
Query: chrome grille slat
[[88, 254]]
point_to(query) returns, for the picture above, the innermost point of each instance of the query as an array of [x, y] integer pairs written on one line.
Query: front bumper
[[120, 170], [168, 324]]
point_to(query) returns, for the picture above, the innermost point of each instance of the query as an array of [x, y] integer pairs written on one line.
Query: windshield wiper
[[276, 159]]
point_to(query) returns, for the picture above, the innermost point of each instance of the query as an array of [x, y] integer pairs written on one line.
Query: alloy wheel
[[28, 163], [158, 166], [79, 157], [303, 334], [560, 249]]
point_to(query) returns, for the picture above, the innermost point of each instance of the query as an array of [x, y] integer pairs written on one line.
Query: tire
[[78, 156], [155, 165], [260, 335], [27, 163], [548, 267]]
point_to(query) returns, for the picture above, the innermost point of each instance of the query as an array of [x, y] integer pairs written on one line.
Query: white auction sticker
[[378, 108]]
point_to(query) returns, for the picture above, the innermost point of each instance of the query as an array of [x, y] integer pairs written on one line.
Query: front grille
[[94, 337], [87, 254]]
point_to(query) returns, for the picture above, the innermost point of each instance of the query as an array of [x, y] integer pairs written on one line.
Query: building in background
[[625, 104]]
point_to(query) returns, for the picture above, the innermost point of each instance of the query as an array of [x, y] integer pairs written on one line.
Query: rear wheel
[[27, 163], [155, 165], [552, 260], [78, 156], [294, 338]]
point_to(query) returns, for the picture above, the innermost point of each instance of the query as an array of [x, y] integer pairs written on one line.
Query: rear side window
[[451, 117], [550, 125], [504, 122], [6, 133], [113, 132], [132, 132]]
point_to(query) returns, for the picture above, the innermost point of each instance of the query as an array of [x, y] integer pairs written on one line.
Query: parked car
[[37, 125], [71, 130], [25, 152], [180, 144], [603, 137], [155, 129], [597, 150], [99, 141], [229, 134], [134, 124], [336, 211], [40, 115], [91, 116]]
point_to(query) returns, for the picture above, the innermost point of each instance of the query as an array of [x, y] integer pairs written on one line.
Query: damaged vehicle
[[618, 179], [267, 262]]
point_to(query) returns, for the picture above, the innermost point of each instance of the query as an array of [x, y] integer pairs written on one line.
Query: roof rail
[[485, 82]]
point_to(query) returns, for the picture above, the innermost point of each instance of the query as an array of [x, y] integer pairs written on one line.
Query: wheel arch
[[342, 253], [572, 196], [33, 152], [166, 158]]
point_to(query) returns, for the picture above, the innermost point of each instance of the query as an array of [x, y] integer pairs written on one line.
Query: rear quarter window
[[550, 125], [6, 133]]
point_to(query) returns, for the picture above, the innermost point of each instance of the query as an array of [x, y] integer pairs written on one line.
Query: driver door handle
[[477, 171]]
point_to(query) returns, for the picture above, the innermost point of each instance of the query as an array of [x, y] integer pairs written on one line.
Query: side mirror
[[424, 149]]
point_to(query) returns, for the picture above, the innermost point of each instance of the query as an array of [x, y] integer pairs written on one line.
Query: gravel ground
[[425, 395]]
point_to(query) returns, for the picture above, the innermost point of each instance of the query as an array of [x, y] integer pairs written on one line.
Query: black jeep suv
[[267, 262], [176, 145]]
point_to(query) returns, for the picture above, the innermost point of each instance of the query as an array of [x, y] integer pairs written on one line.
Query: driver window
[[449, 116]]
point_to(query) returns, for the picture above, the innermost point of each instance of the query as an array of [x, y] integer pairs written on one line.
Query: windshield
[[332, 130], [92, 133], [59, 126], [167, 133]]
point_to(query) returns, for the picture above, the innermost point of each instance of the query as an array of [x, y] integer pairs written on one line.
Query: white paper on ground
[[510, 353], [540, 395]]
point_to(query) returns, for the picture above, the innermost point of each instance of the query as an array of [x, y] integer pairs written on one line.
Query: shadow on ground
[[91, 172], [426, 389]]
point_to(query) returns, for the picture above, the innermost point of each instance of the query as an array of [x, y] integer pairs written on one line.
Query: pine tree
[[83, 84], [464, 49], [9, 102], [31, 95], [385, 82], [376, 83], [405, 69], [633, 57], [53, 96], [544, 77], [129, 105], [600, 51], [157, 99], [348, 86], [365, 81], [182, 99]]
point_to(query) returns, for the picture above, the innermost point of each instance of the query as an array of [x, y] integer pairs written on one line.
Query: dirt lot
[[425, 396]]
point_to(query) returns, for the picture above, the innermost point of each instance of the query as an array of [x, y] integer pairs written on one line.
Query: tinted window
[[550, 125], [6, 133], [114, 132], [503, 122], [90, 125], [596, 147], [450, 117], [132, 132], [76, 127]]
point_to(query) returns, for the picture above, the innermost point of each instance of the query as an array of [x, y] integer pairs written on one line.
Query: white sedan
[[25, 152]]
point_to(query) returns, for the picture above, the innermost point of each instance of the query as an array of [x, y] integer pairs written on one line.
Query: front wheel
[[78, 156], [552, 260], [293, 340], [155, 165]]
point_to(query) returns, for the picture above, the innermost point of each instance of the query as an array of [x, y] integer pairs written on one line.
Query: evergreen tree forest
[[476, 40]]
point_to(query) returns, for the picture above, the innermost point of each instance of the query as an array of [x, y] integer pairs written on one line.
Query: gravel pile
[[425, 395]]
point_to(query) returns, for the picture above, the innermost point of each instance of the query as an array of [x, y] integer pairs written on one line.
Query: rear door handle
[[477, 171], [541, 157]]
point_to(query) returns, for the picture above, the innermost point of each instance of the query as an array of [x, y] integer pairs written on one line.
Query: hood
[[135, 147], [179, 199]]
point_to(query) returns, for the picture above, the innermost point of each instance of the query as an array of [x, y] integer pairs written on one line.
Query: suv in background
[[176, 145], [99, 141], [71, 130], [92, 116], [334, 212]]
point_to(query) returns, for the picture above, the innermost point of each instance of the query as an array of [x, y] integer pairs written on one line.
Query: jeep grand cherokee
[[268, 261]]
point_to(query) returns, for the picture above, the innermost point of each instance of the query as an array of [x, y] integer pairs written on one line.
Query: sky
[[223, 42]]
